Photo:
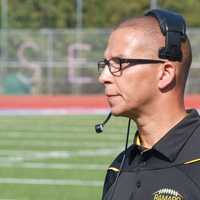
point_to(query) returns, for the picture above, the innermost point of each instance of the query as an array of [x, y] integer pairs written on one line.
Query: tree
[[96, 13]]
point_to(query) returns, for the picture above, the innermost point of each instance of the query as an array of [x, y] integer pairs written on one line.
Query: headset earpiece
[[173, 27]]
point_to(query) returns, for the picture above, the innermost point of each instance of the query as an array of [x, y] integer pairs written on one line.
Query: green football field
[[56, 157]]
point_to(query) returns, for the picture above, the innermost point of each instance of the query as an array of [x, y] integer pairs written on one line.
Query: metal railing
[[56, 62]]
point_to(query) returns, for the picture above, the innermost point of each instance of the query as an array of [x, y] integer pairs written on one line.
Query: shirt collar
[[171, 144], [137, 140], [136, 147]]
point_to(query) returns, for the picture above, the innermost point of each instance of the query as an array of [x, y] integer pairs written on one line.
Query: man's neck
[[154, 126]]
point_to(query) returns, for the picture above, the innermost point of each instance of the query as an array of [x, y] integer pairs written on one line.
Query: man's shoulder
[[114, 169], [116, 163], [190, 153]]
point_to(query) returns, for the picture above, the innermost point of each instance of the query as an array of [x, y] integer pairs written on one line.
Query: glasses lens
[[101, 66], [115, 65]]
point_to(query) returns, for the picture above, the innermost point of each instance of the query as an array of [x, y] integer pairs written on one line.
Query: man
[[144, 72]]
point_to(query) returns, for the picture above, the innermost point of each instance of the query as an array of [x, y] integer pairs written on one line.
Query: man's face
[[135, 87]]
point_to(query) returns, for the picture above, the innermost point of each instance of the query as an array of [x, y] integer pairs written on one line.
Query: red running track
[[57, 102]]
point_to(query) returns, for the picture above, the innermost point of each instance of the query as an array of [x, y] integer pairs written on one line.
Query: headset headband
[[173, 27]]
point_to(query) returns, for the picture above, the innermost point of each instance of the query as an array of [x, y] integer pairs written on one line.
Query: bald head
[[153, 39], [149, 29]]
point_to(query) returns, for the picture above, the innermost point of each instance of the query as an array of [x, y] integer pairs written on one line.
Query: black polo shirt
[[170, 170]]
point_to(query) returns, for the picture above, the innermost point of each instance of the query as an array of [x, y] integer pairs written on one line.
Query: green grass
[[56, 148]]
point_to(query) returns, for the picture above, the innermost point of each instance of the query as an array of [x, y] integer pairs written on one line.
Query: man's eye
[[102, 64], [116, 60]]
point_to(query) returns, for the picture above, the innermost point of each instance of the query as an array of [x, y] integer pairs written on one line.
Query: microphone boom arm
[[99, 127]]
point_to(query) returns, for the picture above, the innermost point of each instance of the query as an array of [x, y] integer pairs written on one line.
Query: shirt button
[[138, 184]]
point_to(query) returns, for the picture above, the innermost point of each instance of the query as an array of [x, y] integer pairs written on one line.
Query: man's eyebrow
[[118, 56]]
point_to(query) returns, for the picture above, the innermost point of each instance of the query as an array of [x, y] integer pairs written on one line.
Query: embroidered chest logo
[[167, 194]]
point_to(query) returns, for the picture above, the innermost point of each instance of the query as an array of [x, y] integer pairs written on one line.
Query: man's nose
[[105, 76]]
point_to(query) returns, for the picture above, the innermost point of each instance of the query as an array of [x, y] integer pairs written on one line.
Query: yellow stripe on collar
[[113, 169], [137, 140], [192, 161]]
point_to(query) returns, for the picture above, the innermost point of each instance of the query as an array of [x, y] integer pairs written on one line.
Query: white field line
[[57, 166], [69, 182], [39, 155], [67, 136], [40, 143], [53, 111], [78, 128], [7, 199], [70, 130]]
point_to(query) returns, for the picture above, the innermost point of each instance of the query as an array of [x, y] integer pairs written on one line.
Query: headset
[[173, 27], [99, 127]]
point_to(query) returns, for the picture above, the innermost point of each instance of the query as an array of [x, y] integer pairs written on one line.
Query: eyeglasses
[[116, 65]]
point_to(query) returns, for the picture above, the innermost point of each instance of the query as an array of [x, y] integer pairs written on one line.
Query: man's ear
[[167, 76]]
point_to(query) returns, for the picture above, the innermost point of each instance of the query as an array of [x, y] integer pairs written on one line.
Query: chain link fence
[[63, 61]]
